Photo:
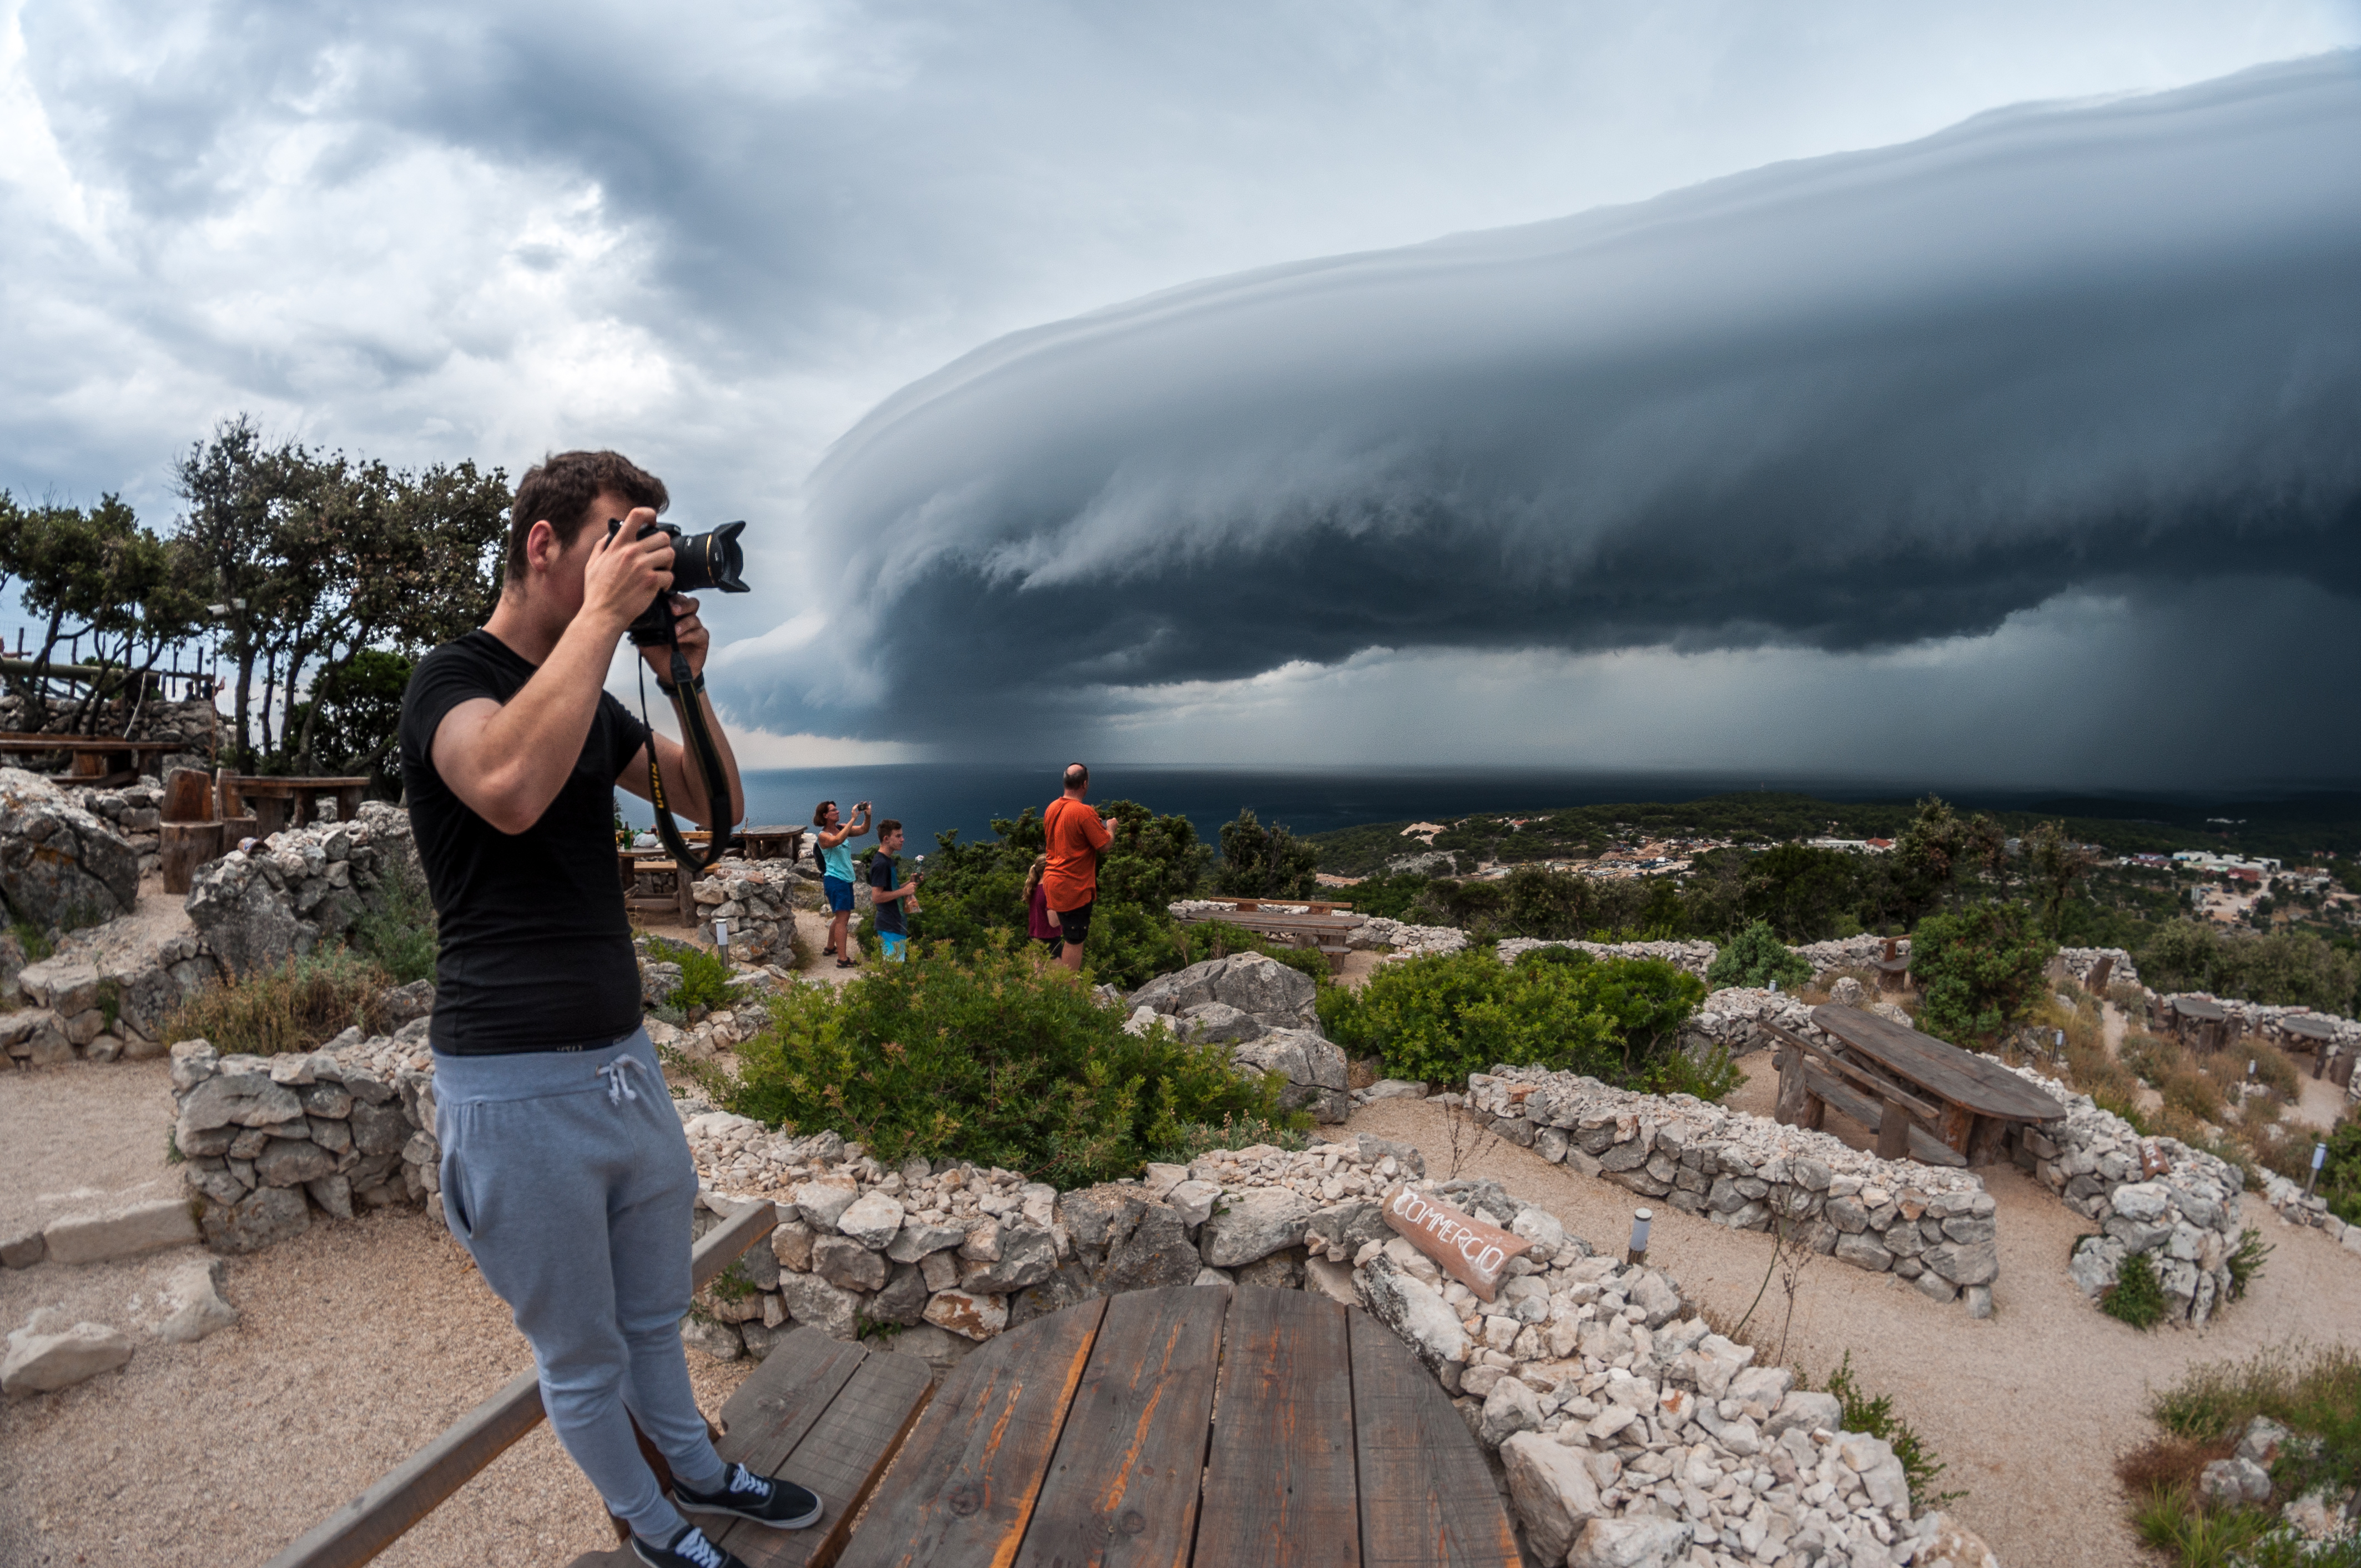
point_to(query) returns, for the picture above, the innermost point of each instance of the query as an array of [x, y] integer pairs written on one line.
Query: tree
[[1263, 862], [1927, 857], [1801, 891], [1978, 968], [93, 576], [2054, 864], [314, 557]]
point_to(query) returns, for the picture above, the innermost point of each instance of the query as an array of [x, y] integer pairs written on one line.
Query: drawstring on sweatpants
[[619, 1080]]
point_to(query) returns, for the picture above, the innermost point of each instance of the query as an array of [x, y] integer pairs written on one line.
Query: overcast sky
[[1602, 492]]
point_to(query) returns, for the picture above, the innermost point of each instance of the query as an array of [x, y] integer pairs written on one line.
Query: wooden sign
[[1472, 1251]]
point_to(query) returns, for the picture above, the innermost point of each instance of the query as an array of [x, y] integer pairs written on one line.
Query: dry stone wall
[[1694, 956], [1931, 1226], [758, 899], [1265, 1013], [106, 992], [270, 1141], [2156, 1196]]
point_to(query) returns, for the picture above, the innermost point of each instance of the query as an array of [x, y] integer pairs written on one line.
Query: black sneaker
[[782, 1504], [689, 1549]]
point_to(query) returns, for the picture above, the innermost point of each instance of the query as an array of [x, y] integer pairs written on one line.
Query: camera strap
[[697, 739]]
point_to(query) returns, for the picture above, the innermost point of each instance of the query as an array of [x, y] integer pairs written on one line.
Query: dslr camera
[[700, 561]]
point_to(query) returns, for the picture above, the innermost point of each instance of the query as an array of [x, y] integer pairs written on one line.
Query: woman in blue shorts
[[833, 849]]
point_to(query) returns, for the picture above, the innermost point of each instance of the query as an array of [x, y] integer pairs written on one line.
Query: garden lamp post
[[1638, 1253]]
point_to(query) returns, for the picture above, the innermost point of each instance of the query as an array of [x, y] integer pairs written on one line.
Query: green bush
[[1876, 1418], [1756, 957], [1263, 862], [302, 1004], [2286, 968], [1444, 1017], [2246, 1262], [2137, 1296], [398, 933], [975, 890], [993, 1057], [1979, 970], [705, 979]]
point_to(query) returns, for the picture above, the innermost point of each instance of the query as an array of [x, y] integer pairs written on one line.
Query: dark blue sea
[[936, 798]]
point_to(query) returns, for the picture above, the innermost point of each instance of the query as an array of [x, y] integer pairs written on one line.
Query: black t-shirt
[[886, 912], [536, 948]]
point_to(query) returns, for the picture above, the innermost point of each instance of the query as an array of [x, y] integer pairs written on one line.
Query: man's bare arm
[[507, 761]]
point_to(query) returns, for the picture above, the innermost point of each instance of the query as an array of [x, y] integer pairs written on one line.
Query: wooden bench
[[285, 802], [94, 762], [1320, 926], [1925, 1099], [1207, 1425], [633, 864]]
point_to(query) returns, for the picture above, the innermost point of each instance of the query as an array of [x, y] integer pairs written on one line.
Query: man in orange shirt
[[1077, 838]]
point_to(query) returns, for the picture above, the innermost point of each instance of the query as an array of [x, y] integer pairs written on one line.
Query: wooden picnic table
[[1924, 1098], [772, 844], [655, 865], [286, 801], [1211, 1425], [1307, 922], [2200, 1023], [98, 761]]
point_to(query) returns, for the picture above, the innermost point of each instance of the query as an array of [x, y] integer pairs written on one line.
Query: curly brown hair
[[559, 490]]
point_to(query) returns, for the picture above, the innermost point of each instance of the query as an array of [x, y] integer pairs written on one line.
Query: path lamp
[[721, 938], [2319, 1158], [1638, 1253]]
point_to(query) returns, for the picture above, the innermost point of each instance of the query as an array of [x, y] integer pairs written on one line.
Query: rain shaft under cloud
[[1846, 405]]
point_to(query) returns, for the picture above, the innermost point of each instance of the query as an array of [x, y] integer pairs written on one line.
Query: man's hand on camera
[[695, 641], [625, 572]]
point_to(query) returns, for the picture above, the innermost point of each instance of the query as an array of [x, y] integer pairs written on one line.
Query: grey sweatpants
[[567, 1176]]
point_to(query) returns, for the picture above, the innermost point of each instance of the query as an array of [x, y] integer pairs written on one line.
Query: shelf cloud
[[1839, 407]]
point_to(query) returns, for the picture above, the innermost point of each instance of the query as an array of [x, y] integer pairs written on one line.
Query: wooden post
[[188, 797], [1892, 1131], [185, 846], [1792, 1094]]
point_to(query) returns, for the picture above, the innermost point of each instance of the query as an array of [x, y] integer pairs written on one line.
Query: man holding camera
[[564, 1171]]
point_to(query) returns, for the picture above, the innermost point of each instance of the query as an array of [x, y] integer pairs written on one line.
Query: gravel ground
[[54, 1158], [2029, 1407], [357, 1343]]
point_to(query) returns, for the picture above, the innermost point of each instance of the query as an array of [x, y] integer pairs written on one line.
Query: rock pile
[[1850, 952], [1931, 1226], [1694, 956], [758, 899], [2287, 1202], [1731, 1017], [1407, 941], [1265, 1010], [256, 909], [61, 866], [267, 1139], [2157, 1196], [2081, 962]]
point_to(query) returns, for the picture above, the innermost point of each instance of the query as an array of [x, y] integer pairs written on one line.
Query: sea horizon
[[931, 798]]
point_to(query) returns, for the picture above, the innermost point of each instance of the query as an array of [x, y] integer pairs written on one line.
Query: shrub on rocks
[[994, 1058], [1755, 957], [1442, 1017]]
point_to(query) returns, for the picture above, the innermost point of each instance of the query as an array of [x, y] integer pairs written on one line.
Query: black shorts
[[1074, 925]]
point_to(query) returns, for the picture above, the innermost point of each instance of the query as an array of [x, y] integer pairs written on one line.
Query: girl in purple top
[[1036, 907]]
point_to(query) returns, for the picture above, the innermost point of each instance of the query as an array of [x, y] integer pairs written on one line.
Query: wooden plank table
[[277, 801], [99, 762], [1319, 926], [772, 844], [1201, 1425], [1901, 1084]]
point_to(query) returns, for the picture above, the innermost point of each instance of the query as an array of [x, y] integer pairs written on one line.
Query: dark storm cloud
[[1849, 403]]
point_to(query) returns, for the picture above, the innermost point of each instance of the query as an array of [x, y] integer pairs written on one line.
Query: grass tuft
[[302, 1004]]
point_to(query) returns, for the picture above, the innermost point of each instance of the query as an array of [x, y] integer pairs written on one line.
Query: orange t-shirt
[[1076, 835]]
